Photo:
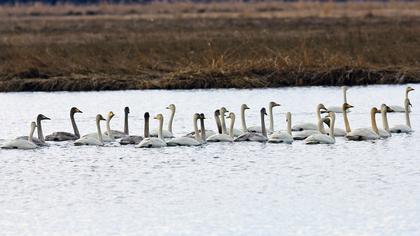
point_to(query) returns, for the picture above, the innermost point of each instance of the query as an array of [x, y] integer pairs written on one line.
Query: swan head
[[223, 110], [263, 111], [231, 116], [110, 115], [330, 115], [374, 110], [244, 107], [126, 110], [42, 117], [75, 110], [171, 107], [202, 116], [273, 104], [196, 116], [409, 89], [146, 115], [33, 125], [322, 108], [217, 112], [347, 106], [385, 108], [158, 117], [99, 117]]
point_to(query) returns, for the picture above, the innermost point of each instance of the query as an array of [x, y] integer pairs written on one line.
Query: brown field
[[184, 46]]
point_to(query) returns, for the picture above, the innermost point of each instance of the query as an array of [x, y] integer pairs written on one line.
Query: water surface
[[350, 188]]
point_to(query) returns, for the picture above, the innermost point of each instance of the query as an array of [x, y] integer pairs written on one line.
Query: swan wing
[[183, 141], [220, 138], [165, 134], [301, 135], [132, 139], [151, 142], [399, 109], [362, 134], [401, 129], [60, 136], [19, 144], [280, 137], [319, 139]]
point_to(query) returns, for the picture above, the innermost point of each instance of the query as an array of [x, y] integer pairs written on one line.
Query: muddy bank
[[202, 80]]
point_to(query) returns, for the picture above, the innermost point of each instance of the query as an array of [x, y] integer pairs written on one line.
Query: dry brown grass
[[207, 45]]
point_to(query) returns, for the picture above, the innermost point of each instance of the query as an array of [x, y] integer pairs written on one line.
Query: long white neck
[[332, 125], [373, 122], [223, 121], [243, 123], [289, 123], [384, 120], [98, 128], [126, 124], [232, 123], [196, 134], [271, 125], [346, 121], [321, 126], [160, 134], [345, 95], [406, 93], [31, 133], [407, 115], [171, 119], [39, 129], [203, 130], [108, 129], [264, 131], [318, 113]]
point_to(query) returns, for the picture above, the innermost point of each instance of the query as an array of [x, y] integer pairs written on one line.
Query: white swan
[[365, 133], [40, 141], [323, 138], [154, 142], [136, 139], [108, 137], [119, 134], [338, 109], [223, 137], [22, 143], [187, 141], [385, 132], [253, 136], [258, 129], [311, 126], [407, 127], [282, 136], [207, 132], [167, 133], [91, 140], [338, 132], [65, 136], [401, 109]]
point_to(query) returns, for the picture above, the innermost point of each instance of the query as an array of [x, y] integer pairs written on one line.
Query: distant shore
[[218, 45]]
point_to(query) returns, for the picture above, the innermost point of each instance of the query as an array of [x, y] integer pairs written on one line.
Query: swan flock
[[322, 130]]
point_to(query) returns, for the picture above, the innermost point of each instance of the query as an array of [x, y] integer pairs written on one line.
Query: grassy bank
[[187, 46]]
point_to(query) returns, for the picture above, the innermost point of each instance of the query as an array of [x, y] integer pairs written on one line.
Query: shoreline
[[212, 80]]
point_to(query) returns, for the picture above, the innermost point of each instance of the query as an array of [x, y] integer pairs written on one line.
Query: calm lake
[[350, 188]]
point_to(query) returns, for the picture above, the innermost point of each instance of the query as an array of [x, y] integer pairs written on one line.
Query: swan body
[[255, 137], [21, 143], [301, 135], [223, 137], [405, 128], [106, 137], [136, 139], [338, 109], [401, 109], [167, 133], [187, 141], [362, 134], [154, 142], [282, 136], [310, 126], [90, 140], [323, 138], [40, 141], [66, 136], [220, 138]]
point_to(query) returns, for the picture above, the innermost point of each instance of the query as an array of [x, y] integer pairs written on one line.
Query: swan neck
[[243, 122], [203, 131], [407, 116], [31, 134], [318, 113], [40, 133], [232, 123], [98, 128], [373, 122], [160, 134], [73, 124], [289, 124], [263, 130], [171, 119], [218, 123], [332, 127], [196, 135], [223, 121], [271, 125], [146, 128], [126, 124], [384, 120], [108, 129], [346, 121]]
